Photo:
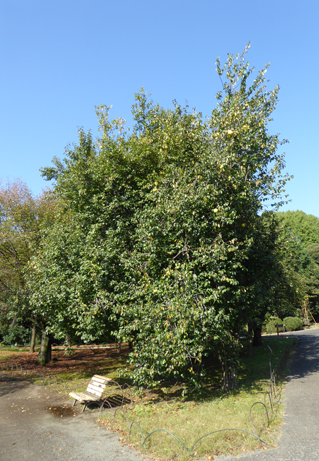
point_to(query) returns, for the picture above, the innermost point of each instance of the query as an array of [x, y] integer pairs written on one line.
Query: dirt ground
[[86, 359]]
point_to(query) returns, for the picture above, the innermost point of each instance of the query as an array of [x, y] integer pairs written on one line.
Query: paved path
[[29, 430], [300, 432]]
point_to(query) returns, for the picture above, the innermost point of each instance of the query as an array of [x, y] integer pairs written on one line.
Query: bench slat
[[83, 396], [94, 389], [97, 384], [102, 379]]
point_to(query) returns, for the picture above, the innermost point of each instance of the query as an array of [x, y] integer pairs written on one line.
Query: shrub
[[292, 323], [271, 324], [16, 335]]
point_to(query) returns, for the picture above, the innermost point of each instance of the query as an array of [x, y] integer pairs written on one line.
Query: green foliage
[[18, 334], [301, 232], [159, 239], [64, 283], [301, 271], [304, 228], [313, 251], [21, 215], [271, 325], [293, 323], [17, 223]]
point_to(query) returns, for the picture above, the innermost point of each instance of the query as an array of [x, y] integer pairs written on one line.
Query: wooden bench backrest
[[97, 385]]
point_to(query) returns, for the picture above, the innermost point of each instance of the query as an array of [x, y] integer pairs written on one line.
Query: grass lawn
[[188, 416]]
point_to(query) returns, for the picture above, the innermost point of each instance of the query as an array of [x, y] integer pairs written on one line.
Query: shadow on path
[[306, 359], [10, 384], [300, 435]]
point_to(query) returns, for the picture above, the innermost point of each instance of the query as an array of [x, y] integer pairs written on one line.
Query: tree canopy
[[21, 215], [159, 240], [301, 232], [304, 227]]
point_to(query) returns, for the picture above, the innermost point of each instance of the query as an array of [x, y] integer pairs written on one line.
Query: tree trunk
[[257, 337], [44, 356], [250, 339], [13, 323], [32, 339], [229, 377], [306, 320]]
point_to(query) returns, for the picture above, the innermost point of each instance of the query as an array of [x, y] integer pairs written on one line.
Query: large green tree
[[161, 226]]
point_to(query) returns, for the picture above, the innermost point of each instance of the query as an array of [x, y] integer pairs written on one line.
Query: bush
[[271, 324], [292, 323], [16, 335]]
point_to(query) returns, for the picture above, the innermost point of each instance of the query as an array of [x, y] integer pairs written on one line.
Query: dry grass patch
[[190, 420], [199, 413]]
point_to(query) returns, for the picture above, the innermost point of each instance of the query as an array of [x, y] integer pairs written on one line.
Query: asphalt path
[[30, 429], [299, 440]]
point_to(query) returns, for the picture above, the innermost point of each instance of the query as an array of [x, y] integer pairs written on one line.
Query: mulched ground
[[85, 360]]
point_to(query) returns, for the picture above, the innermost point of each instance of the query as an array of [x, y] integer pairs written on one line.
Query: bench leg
[[84, 406], [74, 402]]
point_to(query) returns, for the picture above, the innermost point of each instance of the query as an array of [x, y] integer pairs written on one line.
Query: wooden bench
[[93, 392]]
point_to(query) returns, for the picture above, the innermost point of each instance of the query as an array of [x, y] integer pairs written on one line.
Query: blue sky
[[61, 58]]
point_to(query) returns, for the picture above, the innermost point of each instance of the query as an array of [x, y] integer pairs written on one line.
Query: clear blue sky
[[61, 58]]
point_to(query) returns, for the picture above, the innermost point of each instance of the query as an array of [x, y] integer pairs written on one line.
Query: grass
[[206, 411], [188, 417], [13, 349], [189, 421]]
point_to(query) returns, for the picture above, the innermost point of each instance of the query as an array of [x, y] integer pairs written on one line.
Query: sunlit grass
[[190, 420], [207, 411]]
